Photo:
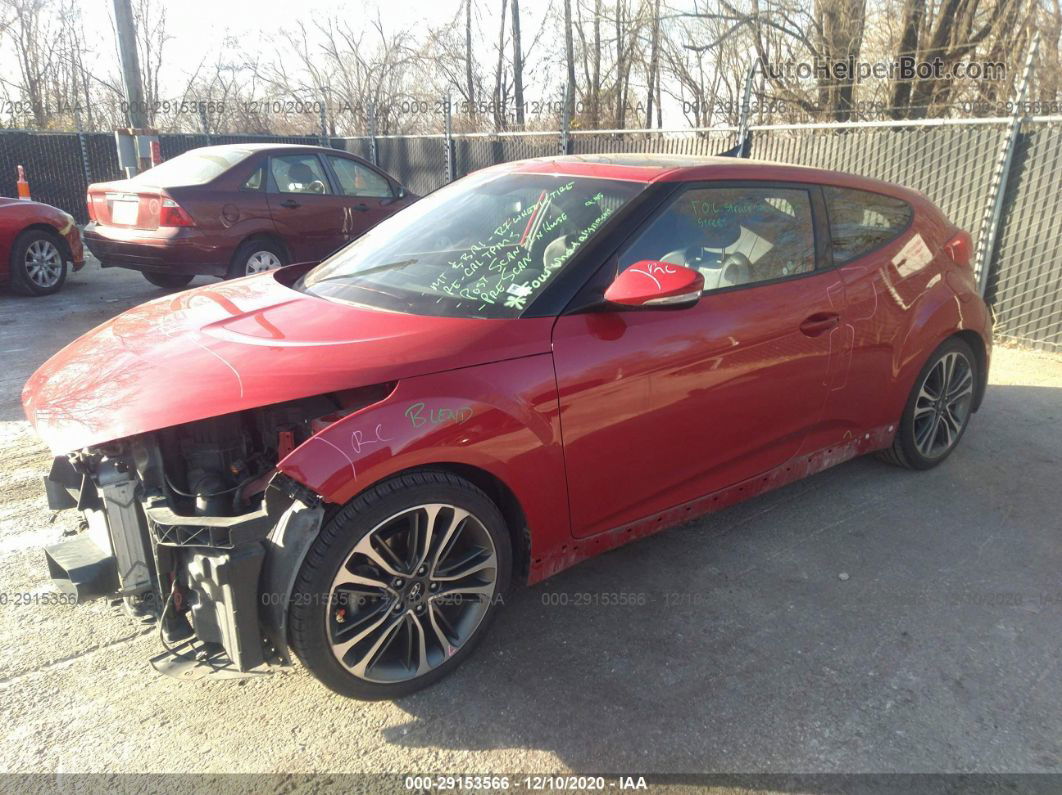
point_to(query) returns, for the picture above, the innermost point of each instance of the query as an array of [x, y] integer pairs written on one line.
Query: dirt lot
[[866, 619]]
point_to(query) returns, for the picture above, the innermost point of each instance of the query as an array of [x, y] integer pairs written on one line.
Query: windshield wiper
[[377, 269]]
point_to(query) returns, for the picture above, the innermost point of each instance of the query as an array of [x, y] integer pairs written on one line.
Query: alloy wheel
[[44, 263], [943, 405], [411, 593], [262, 261]]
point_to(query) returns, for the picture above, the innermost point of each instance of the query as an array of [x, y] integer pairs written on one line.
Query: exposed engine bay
[[193, 527]]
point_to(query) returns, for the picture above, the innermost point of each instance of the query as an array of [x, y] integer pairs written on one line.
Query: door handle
[[291, 204], [819, 323], [361, 208]]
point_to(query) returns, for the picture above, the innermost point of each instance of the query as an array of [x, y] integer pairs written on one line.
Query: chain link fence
[[955, 164], [1025, 284]]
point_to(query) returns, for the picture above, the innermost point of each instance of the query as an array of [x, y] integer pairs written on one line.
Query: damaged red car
[[351, 462]]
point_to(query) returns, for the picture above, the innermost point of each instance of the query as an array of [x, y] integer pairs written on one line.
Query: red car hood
[[242, 344]]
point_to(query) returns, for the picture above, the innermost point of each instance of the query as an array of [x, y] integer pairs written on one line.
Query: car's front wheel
[[938, 408], [400, 585], [38, 264]]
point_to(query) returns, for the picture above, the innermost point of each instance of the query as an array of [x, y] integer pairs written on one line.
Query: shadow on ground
[[868, 619]]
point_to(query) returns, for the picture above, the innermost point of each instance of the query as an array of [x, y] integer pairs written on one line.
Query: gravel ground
[[867, 619]]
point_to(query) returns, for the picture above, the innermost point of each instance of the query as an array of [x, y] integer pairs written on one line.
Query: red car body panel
[[500, 418], [17, 216], [683, 399], [605, 426], [242, 344], [226, 215]]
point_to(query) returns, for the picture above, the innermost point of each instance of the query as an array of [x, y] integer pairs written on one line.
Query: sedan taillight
[[88, 206], [172, 214]]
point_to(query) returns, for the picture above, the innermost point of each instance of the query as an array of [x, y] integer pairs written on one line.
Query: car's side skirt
[[794, 469]]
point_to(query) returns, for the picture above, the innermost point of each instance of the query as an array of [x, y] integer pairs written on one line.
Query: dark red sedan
[[536, 364], [37, 244], [233, 210]]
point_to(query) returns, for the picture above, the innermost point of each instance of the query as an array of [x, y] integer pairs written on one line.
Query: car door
[[368, 196], [306, 210], [662, 406]]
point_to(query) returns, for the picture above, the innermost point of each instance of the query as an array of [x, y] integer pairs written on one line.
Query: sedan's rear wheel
[[400, 585], [256, 256], [938, 408]]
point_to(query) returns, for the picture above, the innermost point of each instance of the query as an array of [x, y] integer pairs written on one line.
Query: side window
[[298, 174], [357, 180], [254, 182], [733, 236], [861, 221]]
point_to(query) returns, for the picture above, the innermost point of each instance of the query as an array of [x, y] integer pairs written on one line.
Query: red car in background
[[540, 362], [237, 209], [37, 243]]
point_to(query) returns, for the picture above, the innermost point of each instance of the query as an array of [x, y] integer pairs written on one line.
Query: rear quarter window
[[861, 221]]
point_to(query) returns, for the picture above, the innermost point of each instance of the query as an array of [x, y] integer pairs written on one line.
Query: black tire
[[31, 278], [312, 618], [169, 281], [250, 249], [906, 450]]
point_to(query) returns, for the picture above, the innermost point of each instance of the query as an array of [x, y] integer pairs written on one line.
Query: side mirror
[[402, 192], [653, 283]]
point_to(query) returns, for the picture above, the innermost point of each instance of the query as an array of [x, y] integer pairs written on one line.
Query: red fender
[[513, 433]]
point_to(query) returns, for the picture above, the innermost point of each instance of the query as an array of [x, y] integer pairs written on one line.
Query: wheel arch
[[486, 481], [43, 226], [977, 345], [260, 234], [939, 316], [503, 497]]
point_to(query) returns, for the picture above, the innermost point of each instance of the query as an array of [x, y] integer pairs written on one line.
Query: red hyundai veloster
[[353, 461]]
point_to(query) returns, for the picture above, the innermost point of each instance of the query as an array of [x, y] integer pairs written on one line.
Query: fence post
[[204, 124], [325, 140], [743, 144], [986, 238], [84, 148], [451, 171], [566, 122], [372, 134]]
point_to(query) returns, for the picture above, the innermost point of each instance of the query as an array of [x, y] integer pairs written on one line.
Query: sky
[[199, 29]]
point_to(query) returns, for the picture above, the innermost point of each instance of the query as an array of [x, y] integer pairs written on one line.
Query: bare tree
[[31, 30], [518, 65], [569, 60], [841, 24], [1049, 71], [149, 16], [950, 32], [501, 95], [471, 92], [622, 68], [654, 63], [595, 79]]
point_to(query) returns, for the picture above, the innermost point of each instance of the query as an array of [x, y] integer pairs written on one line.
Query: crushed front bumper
[[225, 579]]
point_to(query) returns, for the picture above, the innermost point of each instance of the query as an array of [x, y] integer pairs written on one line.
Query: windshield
[[196, 167], [485, 246]]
